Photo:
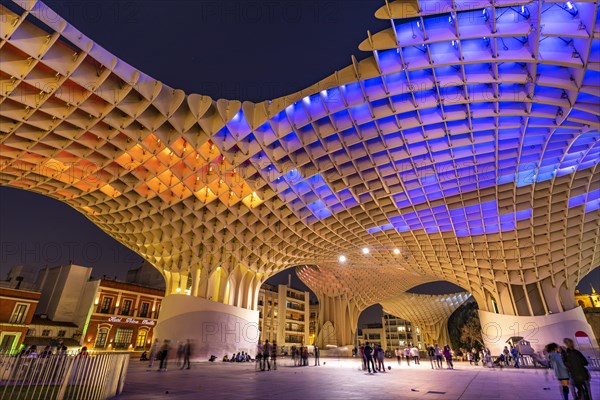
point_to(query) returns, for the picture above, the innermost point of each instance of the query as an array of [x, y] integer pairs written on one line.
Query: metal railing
[[62, 376]]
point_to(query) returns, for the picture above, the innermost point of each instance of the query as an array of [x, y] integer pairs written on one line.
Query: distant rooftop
[[16, 285], [39, 320]]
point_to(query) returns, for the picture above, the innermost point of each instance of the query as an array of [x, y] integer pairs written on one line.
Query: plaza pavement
[[341, 379]]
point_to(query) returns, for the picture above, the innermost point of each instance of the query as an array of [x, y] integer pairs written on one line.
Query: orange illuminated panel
[[53, 168], [83, 185], [168, 178], [208, 151], [88, 210], [110, 191], [205, 195], [229, 198], [65, 193], [153, 143], [168, 157], [134, 157], [155, 166], [218, 187], [156, 185], [145, 191], [252, 200], [181, 191], [127, 161]]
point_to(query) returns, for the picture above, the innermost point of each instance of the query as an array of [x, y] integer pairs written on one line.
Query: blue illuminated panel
[[468, 221]]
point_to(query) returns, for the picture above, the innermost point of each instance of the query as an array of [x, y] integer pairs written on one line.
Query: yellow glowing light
[[88, 210], [110, 191], [252, 200], [205, 195]]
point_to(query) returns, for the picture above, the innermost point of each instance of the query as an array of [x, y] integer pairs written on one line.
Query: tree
[[464, 327], [471, 331]]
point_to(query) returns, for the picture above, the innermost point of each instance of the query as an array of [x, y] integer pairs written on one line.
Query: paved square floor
[[342, 379]]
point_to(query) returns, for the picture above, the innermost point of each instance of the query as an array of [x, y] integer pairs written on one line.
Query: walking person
[[317, 356], [259, 355], [179, 362], [380, 358], [506, 353], [274, 355], [305, 356], [399, 356], [266, 356], [83, 352], [164, 355], [414, 352], [438, 356], [431, 355], [580, 376], [407, 355], [363, 358], [515, 355], [258, 361], [555, 359], [369, 357], [475, 356], [448, 356], [187, 352], [294, 355]]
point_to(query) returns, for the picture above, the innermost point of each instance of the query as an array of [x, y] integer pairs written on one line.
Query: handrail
[[94, 376]]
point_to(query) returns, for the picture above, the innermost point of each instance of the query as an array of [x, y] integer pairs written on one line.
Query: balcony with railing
[[126, 313], [294, 327], [106, 310], [294, 339], [294, 306], [292, 318], [295, 296]]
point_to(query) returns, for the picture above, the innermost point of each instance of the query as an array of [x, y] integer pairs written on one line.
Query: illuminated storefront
[[123, 316]]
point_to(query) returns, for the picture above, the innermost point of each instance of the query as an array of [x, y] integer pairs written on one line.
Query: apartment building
[[284, 316]]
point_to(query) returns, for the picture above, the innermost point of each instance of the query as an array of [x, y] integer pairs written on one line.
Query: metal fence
[[94, 376]]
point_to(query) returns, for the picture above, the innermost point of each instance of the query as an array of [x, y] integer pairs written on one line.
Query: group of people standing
[[370, 355], [569, 367], [409, 353], [32, 351], [300, 356], [160, 353], [266, 356], [437, 356]]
